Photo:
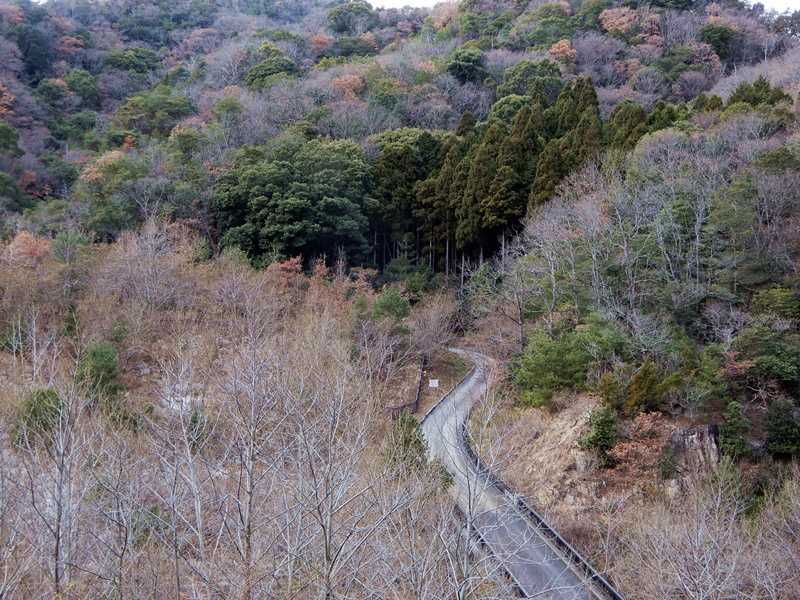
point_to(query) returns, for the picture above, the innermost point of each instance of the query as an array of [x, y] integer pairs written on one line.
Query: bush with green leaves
[[68, 245], [406, 447], [98, 371], [9, 138], [466, 64], [351, 17], [542, 27], [757, 93], [647, 388], [154, 112], [268, 71], [295, 198], [627, 125], [778, 301], [391, 304], [602, 435], [733, 431], [52, 92], [135, 60], [563, 361], [84, 85], [507, 107], [348, 46], [528, 77], [773, 350], [39, 414], [783, 428], [12, 198], [75, 127], [721, 38]]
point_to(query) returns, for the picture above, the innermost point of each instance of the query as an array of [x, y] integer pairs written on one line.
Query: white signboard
[[433, 383]]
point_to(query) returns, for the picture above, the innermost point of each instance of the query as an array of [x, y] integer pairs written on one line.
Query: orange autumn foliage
[[6, 101], [28, 251], [320, 43], [562, 51], [349, 85], [618, 20], [11, 13]]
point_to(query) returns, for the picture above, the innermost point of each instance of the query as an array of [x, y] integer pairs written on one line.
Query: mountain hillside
[[238, 237]]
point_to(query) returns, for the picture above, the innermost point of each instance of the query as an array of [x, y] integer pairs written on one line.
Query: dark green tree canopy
[[528, 78], [309, 198], [9, 139], [352, 17], [758, 92], [466, 64]]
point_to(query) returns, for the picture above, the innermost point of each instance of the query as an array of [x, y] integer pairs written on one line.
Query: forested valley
[[239, 237]]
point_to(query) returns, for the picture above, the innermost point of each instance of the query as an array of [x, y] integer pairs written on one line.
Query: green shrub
[[757, 93], [543, 27], [627, 125], [507, 107], [552, 363], [264, 73], [775, 353], [9, 138], [84, 84], [466, 64], [40, 413], [353, 46], [52, 92], [154, 112], [612, 389], [528, 76], [391, 305], [783, 428], [646, 389], [733, 432], [407, 447], [351, 17], [779, 301], [602, 434], [721, 38], [780, 159], [98, 371], [136, 60]]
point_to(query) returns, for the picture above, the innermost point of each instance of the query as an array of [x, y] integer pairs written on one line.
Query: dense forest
[[235, 233]]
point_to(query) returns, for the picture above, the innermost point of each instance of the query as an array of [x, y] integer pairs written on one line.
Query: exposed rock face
[[695, 452]]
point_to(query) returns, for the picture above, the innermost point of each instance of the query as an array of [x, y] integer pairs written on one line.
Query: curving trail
[[528, 550]]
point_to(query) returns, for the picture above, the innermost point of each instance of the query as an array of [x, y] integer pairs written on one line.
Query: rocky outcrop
[[694, 453]]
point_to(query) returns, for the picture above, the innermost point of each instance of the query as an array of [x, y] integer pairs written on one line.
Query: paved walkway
[[538, 568]]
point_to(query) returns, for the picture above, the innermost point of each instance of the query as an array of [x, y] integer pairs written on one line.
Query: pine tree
[[549, 171], [732, 434], [584, 141], [466, 125], [563, 115], [585, 95], [508, 194], [602, 436], [627, 125], [482, 171], [645, 391], [783, 428]]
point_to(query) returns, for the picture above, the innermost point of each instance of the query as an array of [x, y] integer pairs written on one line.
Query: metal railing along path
[[596, 583]]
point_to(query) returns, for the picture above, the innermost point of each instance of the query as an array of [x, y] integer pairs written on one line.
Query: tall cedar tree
[[482, 172], [579, 137], [508, 195], [407, 157], [435, 209]]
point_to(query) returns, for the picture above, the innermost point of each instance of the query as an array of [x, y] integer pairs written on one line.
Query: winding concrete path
[[533, 561]]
